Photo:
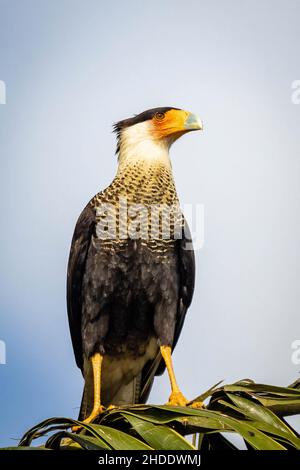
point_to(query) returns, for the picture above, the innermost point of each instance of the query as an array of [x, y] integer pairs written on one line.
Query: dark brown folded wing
[[76, 268]]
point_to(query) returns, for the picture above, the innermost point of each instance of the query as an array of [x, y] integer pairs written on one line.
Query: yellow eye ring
[[159, 116]]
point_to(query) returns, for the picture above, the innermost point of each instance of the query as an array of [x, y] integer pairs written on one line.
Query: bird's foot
[[111, 407], [94, 414], [177, 399], [197, 404]]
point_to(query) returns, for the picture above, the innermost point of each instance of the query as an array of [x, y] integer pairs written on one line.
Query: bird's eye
[[159, 116]]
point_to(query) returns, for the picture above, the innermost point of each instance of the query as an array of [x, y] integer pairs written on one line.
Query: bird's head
[[150, 134]]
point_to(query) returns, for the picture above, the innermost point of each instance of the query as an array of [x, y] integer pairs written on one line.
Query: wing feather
[[76, 268]]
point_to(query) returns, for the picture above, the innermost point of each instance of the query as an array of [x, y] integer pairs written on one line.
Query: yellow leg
[[97, 407], [176, 398]]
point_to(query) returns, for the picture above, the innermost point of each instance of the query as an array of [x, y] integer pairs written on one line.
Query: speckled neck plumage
[[149, 184], [143, 183]]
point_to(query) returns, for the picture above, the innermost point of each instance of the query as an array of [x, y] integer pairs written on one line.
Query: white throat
[[138, 144]]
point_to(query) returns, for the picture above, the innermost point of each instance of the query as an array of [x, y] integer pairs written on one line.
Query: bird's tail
[[114, 389]]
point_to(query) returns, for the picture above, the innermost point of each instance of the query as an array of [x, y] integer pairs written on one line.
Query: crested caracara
[[131, 273]]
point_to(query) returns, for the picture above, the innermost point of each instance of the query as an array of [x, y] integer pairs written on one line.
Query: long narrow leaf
[[119, 440], [86, 442], [260, 413], [159, 437]]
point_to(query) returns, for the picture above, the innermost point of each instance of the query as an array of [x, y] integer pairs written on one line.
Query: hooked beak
[[193, 123]]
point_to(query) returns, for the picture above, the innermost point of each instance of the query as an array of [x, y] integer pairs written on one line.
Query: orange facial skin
[[170, 124]]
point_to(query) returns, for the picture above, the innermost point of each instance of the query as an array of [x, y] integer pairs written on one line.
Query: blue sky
[[71, 69]]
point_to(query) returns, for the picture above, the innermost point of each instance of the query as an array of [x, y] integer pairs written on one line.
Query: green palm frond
[[253, 411]]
